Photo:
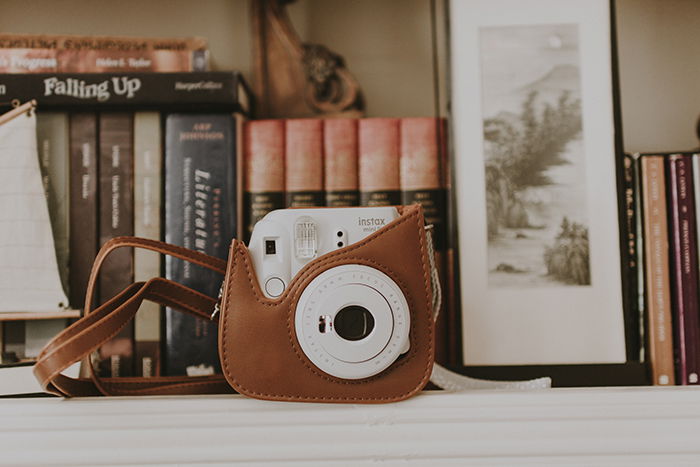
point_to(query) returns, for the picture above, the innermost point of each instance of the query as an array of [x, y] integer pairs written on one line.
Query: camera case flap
[[261, 355]]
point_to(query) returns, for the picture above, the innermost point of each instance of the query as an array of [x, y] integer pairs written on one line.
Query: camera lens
[[353, 323]]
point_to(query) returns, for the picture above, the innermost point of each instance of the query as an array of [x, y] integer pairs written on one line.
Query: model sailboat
[[29, 276]]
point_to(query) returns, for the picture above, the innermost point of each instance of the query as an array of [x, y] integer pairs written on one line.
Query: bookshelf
[[20, 316], [615, 427], [387, 46]]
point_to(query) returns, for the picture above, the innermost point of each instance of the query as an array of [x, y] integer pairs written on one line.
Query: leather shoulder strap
[[98, 326]]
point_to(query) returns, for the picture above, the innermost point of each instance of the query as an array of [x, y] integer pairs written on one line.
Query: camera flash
[[305, 238]]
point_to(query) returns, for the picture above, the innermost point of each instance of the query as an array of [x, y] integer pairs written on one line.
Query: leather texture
[[78, 341], [258, 348], [259, 351]]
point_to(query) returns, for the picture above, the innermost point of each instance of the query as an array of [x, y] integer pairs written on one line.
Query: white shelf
[[648, 426]]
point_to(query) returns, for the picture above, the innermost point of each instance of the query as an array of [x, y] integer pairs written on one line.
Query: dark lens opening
[[353, 323]]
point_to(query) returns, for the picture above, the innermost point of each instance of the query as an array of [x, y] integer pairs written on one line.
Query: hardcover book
[[200, 205], [263, 161], [116, 219], [83, 203], [29, 53], [215, 90], [659, 335], [632, 257], [379, 174], [684, 268], [53, 146], [422, 179], [340, 162], [304, 162], [147, 203]]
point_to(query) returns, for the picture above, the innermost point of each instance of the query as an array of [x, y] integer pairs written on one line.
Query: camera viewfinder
[[270, 247]]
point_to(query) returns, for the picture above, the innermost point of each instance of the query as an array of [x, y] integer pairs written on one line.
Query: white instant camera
[[352, 321]]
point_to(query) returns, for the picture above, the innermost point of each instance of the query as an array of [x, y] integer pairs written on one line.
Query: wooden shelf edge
[[35, 315]]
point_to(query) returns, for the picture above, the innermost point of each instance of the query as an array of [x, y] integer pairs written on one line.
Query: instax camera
[[352, 321]]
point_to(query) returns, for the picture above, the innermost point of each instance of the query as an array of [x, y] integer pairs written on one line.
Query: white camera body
[[352, 321], [285, 240]]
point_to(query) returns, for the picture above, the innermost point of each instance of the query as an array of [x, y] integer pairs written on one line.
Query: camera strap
[[78, 341], [455, 382]]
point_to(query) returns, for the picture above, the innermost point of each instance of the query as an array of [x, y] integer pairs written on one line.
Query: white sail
[[29, 278]]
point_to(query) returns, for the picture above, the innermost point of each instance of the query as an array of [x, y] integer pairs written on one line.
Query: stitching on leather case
[[240, 251]]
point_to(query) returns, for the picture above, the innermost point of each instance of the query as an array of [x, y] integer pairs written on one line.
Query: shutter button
[[274, 286]]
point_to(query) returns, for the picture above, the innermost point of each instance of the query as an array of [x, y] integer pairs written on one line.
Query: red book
[[378, 142], [684, 268], [422, 182], [304, 162], [263, 170], [340, 162]]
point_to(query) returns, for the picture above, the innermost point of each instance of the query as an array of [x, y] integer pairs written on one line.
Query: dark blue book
[[200, 213]]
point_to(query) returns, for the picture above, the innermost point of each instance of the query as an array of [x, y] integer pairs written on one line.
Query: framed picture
[[533, 121]]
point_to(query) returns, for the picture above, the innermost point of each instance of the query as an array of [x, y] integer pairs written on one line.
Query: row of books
[[663, 224], [118, 165], [101, 161], [89, 57]]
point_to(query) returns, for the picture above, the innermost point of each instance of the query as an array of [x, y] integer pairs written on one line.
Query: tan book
[[304, 162], [656, 271], [380, 182], [340, 162], [148, 185]]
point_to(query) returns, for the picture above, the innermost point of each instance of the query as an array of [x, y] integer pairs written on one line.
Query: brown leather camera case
[[259, 351]]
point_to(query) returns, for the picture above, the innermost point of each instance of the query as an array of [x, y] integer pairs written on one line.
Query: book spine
[[304, 162], [21, 61], [641, 310], [340, 162], [116, 168], [83, 208], [422, 183], [263, 162], [630, 258], [225, 91], [53, 144], [77, 42], [28, 53], [684, 268], [452, 293], [147, 202], [656, 268], [379, 174], [200, 214]]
